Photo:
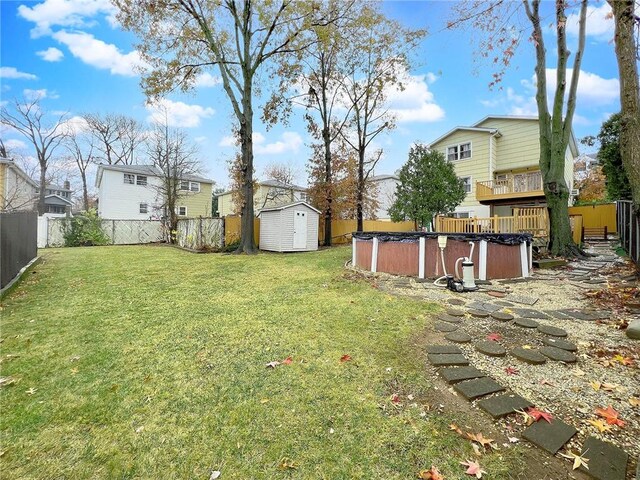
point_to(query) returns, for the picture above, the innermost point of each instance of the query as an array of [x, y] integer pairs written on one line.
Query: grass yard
[[149, 362]]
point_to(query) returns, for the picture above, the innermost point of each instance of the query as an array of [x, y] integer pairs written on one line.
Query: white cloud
[[65, 13], [51, 54], [12, 72], [600, 24], [76, 124], [289, 142], [415, 103], [39, 94], [200, 139], [15, 144], [177, 114], [205, 79], [431, 77], [99, 54], [229, 141]]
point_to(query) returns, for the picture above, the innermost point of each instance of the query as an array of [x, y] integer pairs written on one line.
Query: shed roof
[[288, 205]]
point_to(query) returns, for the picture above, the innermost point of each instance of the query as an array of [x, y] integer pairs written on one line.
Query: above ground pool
[[417, 254]]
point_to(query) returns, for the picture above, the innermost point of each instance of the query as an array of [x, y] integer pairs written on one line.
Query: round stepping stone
[[455, 312], [551, 330], [531, 356], [455, 301], [458, 337], [478, 313], [563, 344], [502, 316], [526, 323], [493, 349], [558, 354], [445, 327], [449, 318]]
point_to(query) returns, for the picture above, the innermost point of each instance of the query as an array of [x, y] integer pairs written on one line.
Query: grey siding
[[276, 229], [271, 231]]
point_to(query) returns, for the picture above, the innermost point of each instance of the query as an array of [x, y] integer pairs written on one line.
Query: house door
[[299, 229]]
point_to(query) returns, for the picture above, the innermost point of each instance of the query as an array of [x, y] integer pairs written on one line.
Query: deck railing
[[519, 183], [524, 220]]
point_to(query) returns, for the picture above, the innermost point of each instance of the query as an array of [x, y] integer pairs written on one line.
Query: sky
[[77, 59]]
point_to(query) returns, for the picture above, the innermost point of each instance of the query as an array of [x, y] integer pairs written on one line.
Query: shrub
[[84, 230]]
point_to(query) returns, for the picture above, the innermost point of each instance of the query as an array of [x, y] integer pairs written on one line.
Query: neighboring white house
[[132, 192], [385, 188]]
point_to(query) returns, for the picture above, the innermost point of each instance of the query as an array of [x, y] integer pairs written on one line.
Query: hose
[[444, 268]]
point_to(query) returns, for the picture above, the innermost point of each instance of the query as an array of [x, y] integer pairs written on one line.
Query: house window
[[56, 209], [182, 211], [194, 186], [141, 180], [303, 196], [466, 181], [144, 208], [130, 179], [184, 185], [459, 152]]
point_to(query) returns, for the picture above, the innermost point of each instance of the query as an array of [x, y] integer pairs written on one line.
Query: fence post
[[113, 232], [374, 255], [605, 232], [421, 253]]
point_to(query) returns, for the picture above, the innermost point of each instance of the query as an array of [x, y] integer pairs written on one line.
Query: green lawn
[[149, 362]]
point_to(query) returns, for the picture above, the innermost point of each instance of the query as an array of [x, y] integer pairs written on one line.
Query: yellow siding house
[[498, 159], [268, 193]]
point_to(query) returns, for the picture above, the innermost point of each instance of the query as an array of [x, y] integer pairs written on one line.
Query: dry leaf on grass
[[578, 460], [473, 468], [601, 425], [431, 474], [215, 474], [610, 415], [345, 358], [536, 414]]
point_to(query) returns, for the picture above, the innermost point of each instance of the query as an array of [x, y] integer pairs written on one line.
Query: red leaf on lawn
[[512, 371], [287, 361], [473, 468], [431, 474], [494, 337], [395, 398], [345, 358], [610, 415], [538, 414]]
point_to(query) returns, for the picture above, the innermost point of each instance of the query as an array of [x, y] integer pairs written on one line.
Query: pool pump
[[467, 278]]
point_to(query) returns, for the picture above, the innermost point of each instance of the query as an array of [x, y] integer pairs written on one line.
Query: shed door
[[299, 229]]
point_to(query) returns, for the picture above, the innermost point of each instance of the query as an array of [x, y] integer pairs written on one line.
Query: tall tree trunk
[[246, 221], [626, 51], [328, 180], [360, 191], [42, 208], [85, 193]]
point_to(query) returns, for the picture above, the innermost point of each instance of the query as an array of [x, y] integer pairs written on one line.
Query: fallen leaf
[[528, 419], [476, 449], [287, 361], [600, 425], [264, 400], [513, 439], [578, 460], [538, 414], [626, 361], [527, 347], [544, 381], [579, 373], [6, 381], [215, 474], [31, 391], [455, 428], [512, 371], [74, 371], [431, 474], [595, 385], [634, 401], [287, 464], [494, 337], [610, 415], [473, 468], [75, 358], [273, 364], [345, 358], [395, 398], [481, 439]]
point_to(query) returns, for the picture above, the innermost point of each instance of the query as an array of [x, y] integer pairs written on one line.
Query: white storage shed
[[289, 228]]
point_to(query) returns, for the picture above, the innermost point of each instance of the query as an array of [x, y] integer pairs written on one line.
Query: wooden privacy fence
[[340, 229], [597, 216], [200, 233], [628, 224], [524, 220], [18, 243]]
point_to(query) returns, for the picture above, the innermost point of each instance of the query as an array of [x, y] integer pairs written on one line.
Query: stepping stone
[[449, 318], [558, 315], [529, 313], [478, 313], [455, 312], [479, 387], [447, 359], [496, 294], [443, 349], [502, 316], [484, 306], [533, 357], [503, 303], [521, 299], [455, 301], [580, 315], [526, 323], [563, 344], [458, 374], [548, 263], [549, 436], [503, 405], [458, 337], [493, 349], [445, 327], [551, 330], [606, 461], [558, 354]]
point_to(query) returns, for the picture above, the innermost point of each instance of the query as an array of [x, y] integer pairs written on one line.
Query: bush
[[84, 230]]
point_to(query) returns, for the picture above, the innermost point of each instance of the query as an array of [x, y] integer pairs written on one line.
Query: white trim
[[470, 177], [182, 214], [353, 252], [421, 253], [470, 129], [524, 262], [482, 260], [374, 255], [458, 145]]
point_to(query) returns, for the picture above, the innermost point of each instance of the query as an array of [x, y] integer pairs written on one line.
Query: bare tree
[[81, 150], [30, 121], [175, 157], [282, 192], [116, 137]]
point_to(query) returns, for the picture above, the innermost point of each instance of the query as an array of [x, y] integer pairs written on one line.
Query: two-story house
[[269, 193], [498, 160], [57, 199], [134, 192], [17, 190], [384, 187]]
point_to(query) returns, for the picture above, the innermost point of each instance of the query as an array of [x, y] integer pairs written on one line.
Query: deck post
[[374, 255], [421, 254], [482, 260]]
